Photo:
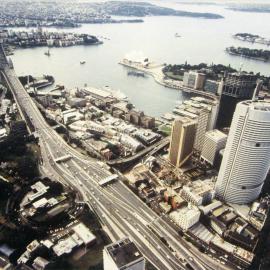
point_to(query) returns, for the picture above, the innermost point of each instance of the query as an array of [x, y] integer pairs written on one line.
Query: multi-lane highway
[[120, 211]]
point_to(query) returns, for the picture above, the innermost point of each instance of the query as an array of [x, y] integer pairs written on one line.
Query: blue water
[[202, 41]]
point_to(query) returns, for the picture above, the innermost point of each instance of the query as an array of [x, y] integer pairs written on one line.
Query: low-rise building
[[46, 100], [118, 113], [6, 103], [78, 236], [177, 202], [71, 115], [242, 234], [199, 192], [234, 254], [148, 122], [259, 212], [130, 142], [185, 217], [165, 207], [134, 117], [40, 263], [38, 189], [84, 233], [26, 256], [210, 207], [76, 102], [147, 137], [221, 218]]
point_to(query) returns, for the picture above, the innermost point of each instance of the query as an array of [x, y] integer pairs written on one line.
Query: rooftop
[[216, 135], [123, 252], [84, 233], [261, 105], [200, 187]]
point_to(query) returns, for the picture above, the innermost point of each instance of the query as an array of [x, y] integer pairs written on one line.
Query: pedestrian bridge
[[62, 159]]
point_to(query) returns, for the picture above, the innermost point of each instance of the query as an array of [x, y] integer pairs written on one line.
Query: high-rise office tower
[[194, 80], [204, 112], [237, 87], [215, 140], [121, 255], [246, 159], [202, 126], [182, 140]]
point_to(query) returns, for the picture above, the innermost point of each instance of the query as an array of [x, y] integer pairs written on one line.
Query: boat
[[82, 62], [39, 84], [136, 73], [48, 53], [177, 35]]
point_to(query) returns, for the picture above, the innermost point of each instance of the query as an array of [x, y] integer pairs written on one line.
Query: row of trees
[[252, 53], [15, 151], [213, 71]]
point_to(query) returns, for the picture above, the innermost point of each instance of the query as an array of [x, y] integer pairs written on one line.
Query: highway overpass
[[121, 212]]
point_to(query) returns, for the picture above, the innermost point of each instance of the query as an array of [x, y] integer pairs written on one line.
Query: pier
[[155, 70]]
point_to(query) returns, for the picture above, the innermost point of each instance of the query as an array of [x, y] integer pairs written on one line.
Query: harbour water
[[201, 41]]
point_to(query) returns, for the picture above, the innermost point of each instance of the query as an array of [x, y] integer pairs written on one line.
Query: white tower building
[[215, 140], [123, 255], [246, 159]]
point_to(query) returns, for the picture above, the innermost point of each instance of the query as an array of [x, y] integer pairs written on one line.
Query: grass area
[[165, 129], [4, 173], [35, 149], [92, 259], [2, 206], [173, 76]]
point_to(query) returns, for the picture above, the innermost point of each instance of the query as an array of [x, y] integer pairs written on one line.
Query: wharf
[[156, 72]]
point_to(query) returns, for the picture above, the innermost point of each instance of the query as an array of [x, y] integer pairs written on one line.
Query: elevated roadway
[[153, 149], [120, 211]]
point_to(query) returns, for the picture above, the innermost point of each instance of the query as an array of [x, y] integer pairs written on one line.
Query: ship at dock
[[105, 92], [39, 82], [136, 73]]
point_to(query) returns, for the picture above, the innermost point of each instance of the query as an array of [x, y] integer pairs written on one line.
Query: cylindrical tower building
[[246, 159]]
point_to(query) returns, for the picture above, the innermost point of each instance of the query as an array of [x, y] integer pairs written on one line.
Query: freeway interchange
[[120, 211]]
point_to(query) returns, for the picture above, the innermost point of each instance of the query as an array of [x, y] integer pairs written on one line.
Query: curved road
[[120, 211]]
